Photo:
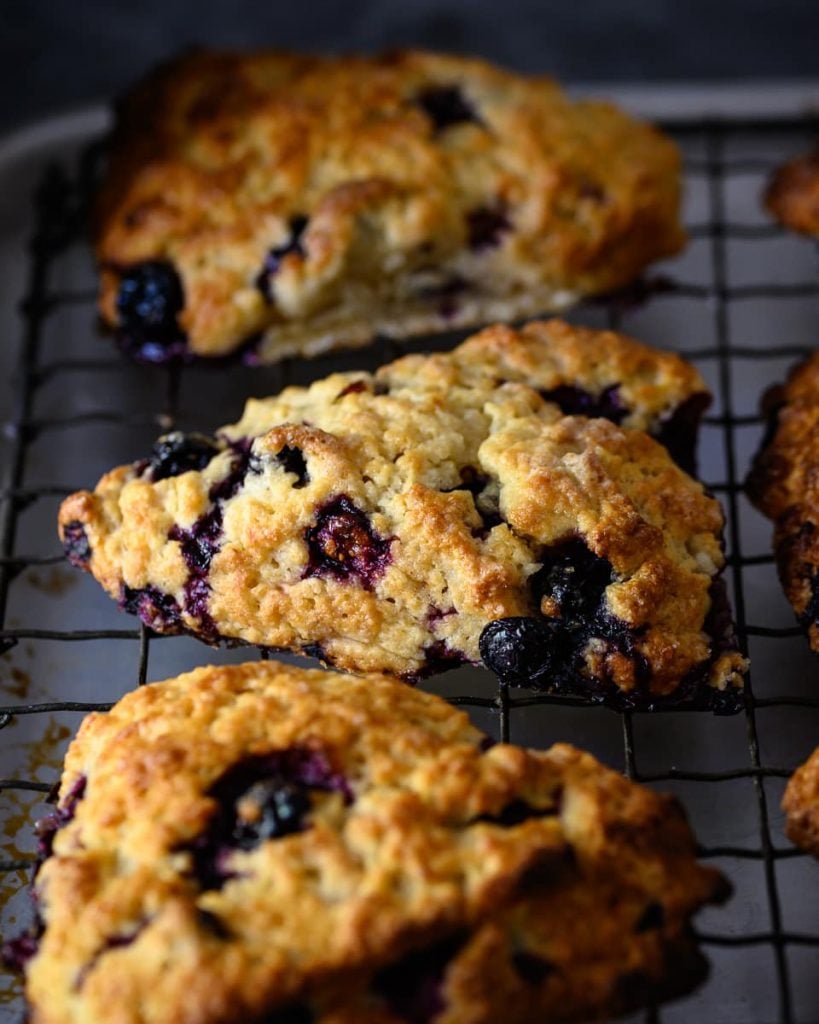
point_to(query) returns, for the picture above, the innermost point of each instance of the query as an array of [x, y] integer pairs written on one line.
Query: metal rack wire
[[59, 218]]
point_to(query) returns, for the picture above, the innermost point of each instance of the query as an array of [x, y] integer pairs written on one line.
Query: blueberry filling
[[678, 432], [149, 301], [652, 917], [76, 545], [446, 105], [263, 797], [273, 260], [547, 651], [440, 657], [343, 545], [202, 541], [574, 401], [46, 828], [178, 453], [534, 970], [412, 988], [15, 953], [158, 611], [485, 225]]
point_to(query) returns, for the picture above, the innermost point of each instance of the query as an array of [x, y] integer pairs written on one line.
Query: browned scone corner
[[784, 484], [792, 195], [276, 204], [801, 804], [444, 510], [272, 845]]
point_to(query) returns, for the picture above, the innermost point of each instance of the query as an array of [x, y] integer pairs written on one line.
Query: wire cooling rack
[[743, 303]]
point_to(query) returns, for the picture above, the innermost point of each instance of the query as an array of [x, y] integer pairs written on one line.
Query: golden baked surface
[[784, 484], [248, 838], [307, 203], [380, 522], [801, 804], [793, 194]]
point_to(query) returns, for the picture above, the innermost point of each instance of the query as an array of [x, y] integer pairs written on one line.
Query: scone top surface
[[245, 837], [382, 521], [305, 202]]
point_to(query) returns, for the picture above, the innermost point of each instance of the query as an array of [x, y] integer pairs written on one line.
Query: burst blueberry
[[343, 544], [76, 544], [519, 650], [149, 301], [177, 453]]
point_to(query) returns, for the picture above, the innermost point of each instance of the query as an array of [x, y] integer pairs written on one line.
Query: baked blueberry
[[273, 260], [177, 453], [15, 953], [485, 226], [446, 105], [344, 545], [575, 401], [76, 545], [519, 650], [269, 809], [157, 610], [149, 301]]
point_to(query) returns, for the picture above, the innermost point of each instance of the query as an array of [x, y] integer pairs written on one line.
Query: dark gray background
[[58, 53]]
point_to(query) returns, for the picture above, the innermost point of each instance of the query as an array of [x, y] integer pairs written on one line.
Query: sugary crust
[[216, 155], [784, 484], [793, 194], [398, 446], [801, 804], [413, 858]]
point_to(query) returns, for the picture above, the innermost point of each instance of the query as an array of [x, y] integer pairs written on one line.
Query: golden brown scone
[[784, 484], [382, 522], [801, 804], [792, 195], [280, 204], [262, 843]]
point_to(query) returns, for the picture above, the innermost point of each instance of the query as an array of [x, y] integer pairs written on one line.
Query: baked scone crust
[[398, 194], [431, 834], [382, 521], [801, 805], [784, 485], [792, 195]]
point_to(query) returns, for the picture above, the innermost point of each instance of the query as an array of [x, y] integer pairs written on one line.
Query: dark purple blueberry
[[652, 917], [46, 828], [76, 545], [446, 105], [412, 988], [158, 611], [678, 432], [273, 260], [263, 797], [574, 401], [519, 650], [292, 461], [343, 544], [268, 810], [575, 579], [534, 970], [149, 300], [440, 657], [485, 225], [16, 953], [177, 453]]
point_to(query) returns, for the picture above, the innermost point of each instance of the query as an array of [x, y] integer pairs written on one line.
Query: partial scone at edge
[[381, 522], [263, 843], [284, 205], [801, 804], [784, 485]]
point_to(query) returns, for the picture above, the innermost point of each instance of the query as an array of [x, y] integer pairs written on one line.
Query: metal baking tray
[[742, 302]]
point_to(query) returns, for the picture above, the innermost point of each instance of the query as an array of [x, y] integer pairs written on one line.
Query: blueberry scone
[[784, 484], [801, 805], [260, 843], [792, 195], [273, 205], [440, 511]]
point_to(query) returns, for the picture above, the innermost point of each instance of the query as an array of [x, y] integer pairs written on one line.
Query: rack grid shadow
[[740, 304]]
